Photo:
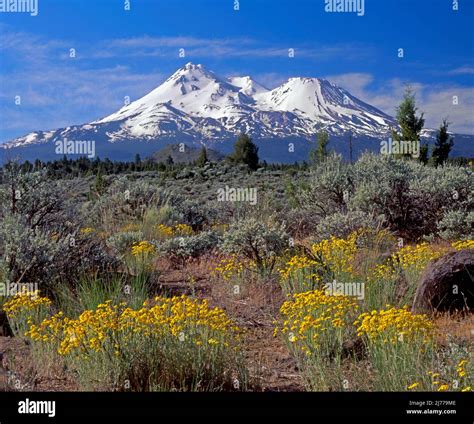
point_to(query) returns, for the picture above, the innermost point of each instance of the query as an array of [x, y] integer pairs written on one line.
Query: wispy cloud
[[437, 101], [220, 48], [463, 70]]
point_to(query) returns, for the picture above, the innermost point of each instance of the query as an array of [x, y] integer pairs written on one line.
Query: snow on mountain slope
[[193, 90], [197, 103], [319, 100], [248, 86]]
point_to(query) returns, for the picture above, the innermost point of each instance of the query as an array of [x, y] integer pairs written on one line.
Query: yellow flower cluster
[[461, 370], [48, 330], [231, 267], [24, 302], [417, 257], [113, 326], [183, 230], [394, 325], [443, 386], [143, 248], [311, 314], [413, 259], [165, 231], [463, 244], [338, 254], [299, 264], [87, 230], [381, 272]]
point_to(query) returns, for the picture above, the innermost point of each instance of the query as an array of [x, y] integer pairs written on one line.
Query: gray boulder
[[447, 284]]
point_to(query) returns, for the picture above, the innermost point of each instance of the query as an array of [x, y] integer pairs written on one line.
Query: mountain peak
[[308, 80], [192, 66], [248, 85], [197, 103]]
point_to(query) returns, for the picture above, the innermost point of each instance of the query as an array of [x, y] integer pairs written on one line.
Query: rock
[[447, 284], [5, 329], [354, 349]]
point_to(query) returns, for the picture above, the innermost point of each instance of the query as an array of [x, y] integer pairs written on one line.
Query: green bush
[[457, 225], [341, 225], [123, 242], [257, 241], [405, 196], [180, 248]]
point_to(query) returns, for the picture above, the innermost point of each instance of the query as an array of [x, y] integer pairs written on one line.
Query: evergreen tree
[[320, 153], [245, 151], [351, 158], [410, 124], [202, 159], [444, 144], [99, 184], [424, 153], [138, 160], [169, 160]]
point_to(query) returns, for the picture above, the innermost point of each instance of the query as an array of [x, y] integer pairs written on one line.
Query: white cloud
[[463, 70], [435, 100], [147, 46]]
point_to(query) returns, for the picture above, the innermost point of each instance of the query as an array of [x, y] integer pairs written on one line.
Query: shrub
[[168, 344], [123, 242], [126, 201], [315, 327], [328, 190], [180, 248], [452, 370], [48, 257], [399, 344], [259, 242], [193, 214], [300, 274], [456, 224], [24, 309], [410, 196], [341, 260], [342, 225]]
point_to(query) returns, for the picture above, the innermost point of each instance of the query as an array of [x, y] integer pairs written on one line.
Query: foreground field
[[150, 283]]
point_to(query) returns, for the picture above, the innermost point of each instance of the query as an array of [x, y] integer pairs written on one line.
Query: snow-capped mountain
[[247, 85], [195, 103]]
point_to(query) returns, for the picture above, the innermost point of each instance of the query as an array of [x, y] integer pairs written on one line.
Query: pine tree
[[99, 184], [410, 124], [424, 153], [138, 159], [320, 153], [245, 151], [444, 144], [202, 159], [351, 158]]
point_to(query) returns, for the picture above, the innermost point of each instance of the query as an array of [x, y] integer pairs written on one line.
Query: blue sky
[[127, 53]]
